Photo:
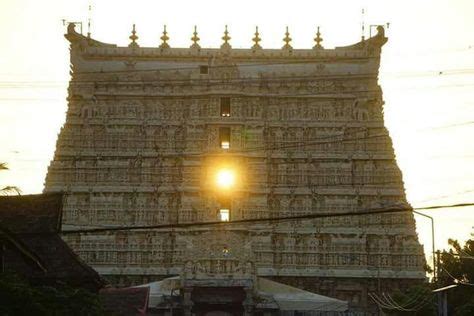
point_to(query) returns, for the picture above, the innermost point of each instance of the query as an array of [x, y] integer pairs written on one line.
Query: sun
[[225, 178]]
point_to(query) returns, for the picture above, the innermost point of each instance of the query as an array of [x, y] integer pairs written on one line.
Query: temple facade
[[300, 132]]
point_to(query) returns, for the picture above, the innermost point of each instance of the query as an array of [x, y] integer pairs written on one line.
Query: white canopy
[[159, 289], [289, 298], [286, 297]]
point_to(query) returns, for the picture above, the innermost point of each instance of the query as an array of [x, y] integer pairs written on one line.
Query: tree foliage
[[19, 297], [457, 267], [417, 300], [8, 189]]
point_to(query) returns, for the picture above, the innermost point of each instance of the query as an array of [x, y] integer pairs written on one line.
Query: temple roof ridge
[[374, 42], [72, 36]]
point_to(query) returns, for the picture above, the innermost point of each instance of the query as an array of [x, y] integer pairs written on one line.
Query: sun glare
[[225, 178]]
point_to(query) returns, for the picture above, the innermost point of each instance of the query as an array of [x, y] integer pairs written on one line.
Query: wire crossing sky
[[426, 74]]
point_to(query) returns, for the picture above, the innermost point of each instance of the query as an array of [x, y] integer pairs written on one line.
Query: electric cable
[[376, 211], [293, 144]]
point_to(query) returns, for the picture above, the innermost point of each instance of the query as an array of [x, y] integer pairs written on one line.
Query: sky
[[427, 76]]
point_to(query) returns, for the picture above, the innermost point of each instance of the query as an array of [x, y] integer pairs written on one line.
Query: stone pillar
[[187, 302]]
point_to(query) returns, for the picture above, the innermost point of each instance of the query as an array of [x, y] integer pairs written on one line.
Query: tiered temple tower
[[299, 131]]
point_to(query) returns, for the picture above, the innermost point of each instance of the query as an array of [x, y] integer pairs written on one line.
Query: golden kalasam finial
[[164, 38], [287, 40], [134, 38], [318, 39], [256, 39], [195, 38], [226, 38]]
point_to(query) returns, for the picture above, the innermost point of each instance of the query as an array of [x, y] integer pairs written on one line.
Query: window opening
[[224, 215], [224, 137], [204, 70], [225, 107]]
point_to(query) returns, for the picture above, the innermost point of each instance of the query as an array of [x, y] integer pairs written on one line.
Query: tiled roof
[[40, 213], [31, 223]]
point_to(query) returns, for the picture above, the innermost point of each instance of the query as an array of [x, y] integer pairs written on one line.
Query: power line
[[412, 300], [376, 211], [467, 48], [390, 304], [365, 226], [311, 60], [456, 280], [446, 126], [394, 209], [439, 197], [206, 81], [309, 184], [291, 144], [32, 99], [40, 83], [444, 206], [250, 64], [460, 256], [259, 80]]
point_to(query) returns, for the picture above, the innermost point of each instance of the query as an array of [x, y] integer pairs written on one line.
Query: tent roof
[[160, 289], [291, 298], [286, 297]]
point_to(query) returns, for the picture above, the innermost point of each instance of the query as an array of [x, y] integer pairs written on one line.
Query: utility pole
[[442, 295], [435, 274]]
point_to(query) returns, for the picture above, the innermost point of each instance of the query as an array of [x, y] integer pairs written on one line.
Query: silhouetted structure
[[30, 244]]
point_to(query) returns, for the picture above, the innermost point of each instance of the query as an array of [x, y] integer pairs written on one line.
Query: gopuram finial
[[226, 38], [256, 39], [363, 25], [164, 38], [318, 39], [287, 40], [134, 38], [89, 22], [195, 39]]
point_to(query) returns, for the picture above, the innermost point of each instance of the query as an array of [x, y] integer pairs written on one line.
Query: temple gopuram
[[166, 137]]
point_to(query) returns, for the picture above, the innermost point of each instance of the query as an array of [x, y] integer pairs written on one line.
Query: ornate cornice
[[93, 48]]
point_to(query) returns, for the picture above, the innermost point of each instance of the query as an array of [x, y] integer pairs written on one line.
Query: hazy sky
[[427, 75]]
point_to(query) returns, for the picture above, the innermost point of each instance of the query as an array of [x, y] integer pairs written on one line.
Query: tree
[[417, 300], [8, 189], [19, 297], [457, 267]]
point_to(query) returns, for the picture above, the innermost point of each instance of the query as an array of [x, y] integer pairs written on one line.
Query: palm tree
[[8, 189]]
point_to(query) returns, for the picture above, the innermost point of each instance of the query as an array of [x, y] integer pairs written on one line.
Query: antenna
[[89, 21], [363, 24]]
